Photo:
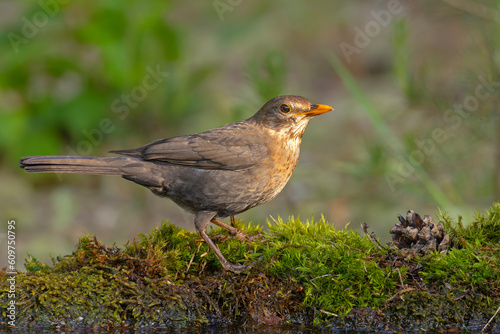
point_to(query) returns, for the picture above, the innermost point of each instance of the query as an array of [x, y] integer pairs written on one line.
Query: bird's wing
[[227, 148]]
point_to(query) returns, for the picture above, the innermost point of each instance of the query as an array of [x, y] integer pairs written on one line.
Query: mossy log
[[305, 274]]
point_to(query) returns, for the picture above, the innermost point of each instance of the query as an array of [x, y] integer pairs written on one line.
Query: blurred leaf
[[82, 113], [401, 55], [105, 26], [170, 40], [13, 127], [268, 76], [402, 59], [117, 63], [40, 142]]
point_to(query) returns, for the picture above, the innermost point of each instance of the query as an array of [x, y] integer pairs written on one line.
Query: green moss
[[484, 230], [464, 269], [98, 284], [335, 267], [305, 272]]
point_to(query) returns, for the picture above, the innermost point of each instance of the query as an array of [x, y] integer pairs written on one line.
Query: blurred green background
[[415, 87]]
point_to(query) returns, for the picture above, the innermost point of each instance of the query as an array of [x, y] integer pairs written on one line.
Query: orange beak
[[316, 109]]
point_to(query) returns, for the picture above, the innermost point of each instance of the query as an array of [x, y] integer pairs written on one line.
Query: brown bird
[[217, 173]]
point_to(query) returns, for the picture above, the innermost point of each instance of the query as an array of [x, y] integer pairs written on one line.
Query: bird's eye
[[285, 108]]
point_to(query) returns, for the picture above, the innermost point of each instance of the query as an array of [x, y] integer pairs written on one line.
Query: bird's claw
[[237, 268]]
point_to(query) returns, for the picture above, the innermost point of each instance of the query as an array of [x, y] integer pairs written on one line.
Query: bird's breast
[[284, 154]]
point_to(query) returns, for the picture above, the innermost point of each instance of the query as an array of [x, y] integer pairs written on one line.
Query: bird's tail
[[74, 164]]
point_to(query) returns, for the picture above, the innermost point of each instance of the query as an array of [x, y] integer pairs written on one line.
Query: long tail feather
[[73, 164]]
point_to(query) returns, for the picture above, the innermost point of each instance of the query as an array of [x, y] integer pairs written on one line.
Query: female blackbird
[[217, 173]]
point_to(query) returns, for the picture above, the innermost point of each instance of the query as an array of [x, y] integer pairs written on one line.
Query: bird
[[214, 174]]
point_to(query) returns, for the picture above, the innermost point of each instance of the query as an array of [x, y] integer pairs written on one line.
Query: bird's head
[[289, 114]]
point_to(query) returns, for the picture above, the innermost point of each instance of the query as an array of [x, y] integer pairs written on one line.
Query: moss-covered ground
[[306, 273]]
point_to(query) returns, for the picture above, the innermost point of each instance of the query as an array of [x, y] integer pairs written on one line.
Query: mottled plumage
[[217, 173]]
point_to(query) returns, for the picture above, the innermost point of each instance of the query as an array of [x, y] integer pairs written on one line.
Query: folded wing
[[231, 148]]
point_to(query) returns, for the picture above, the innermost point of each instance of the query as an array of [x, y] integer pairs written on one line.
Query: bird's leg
[[233, 222], [201, 222]]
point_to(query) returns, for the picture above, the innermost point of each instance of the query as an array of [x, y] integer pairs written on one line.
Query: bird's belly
[[224, 191]]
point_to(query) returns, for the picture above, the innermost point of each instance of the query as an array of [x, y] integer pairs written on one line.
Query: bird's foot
[[238, 234], [242, 236]]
